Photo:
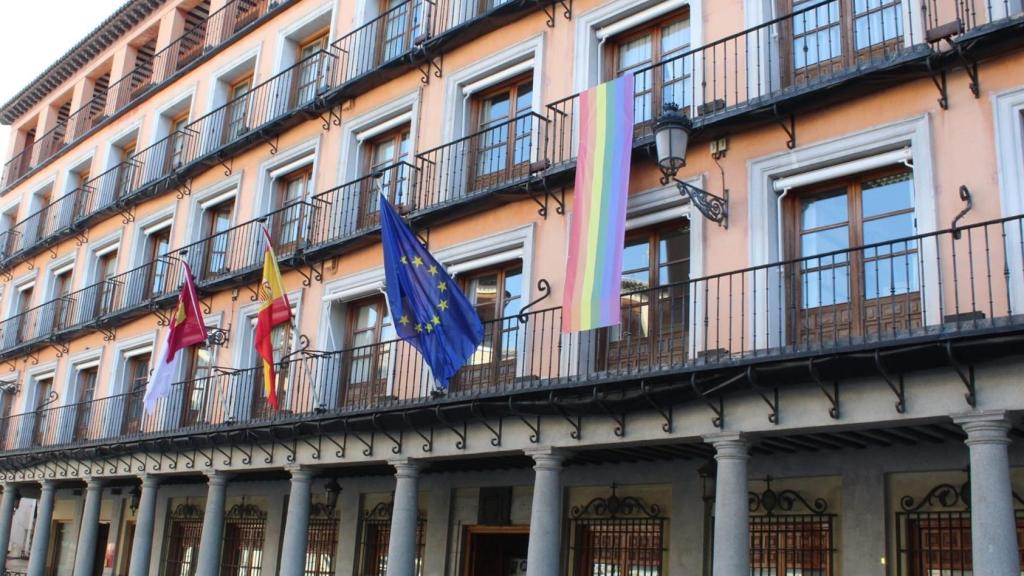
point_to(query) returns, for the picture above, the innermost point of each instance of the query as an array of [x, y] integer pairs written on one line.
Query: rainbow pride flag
[[593, 282]]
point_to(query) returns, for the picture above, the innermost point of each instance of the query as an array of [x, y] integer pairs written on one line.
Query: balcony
[[918, 302], [216, 30]]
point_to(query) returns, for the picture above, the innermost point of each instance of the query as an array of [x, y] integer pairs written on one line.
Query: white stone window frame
[[762, 200], [588, 57], [123, 352], [245, 355], [245, 64], [65, 265], [35, 204], [105, 245], [75, 364], [651, 207], [32, 379], [213, 195], [458, 259], [20, 284], [1008, 114], [144, 228], [290, 34], [285, 162], [175, 401], [160, 129], [486, 73], [130, 133], [355, 132], [83, 162]]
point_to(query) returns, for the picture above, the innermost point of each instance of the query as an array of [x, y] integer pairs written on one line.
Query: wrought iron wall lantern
[[333, 490], [671, 136], [134, 496]]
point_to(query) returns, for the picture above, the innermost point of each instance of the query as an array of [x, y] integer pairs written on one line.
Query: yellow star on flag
[[419, 327], [435, 319], [417, 261], [443, 305], [403, 260], [404, 320], [430, 327], [442, 286], [432, 270]]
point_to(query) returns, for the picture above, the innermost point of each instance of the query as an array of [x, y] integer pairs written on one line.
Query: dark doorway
[[99, 558], [496, 550]]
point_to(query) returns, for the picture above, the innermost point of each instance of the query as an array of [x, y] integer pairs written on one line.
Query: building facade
[[817, 369]]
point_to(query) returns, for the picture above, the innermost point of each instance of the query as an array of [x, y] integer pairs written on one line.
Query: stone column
[[88, 530], [145, 519], [41, 535], [208, 563], [993, 528], [404, 518], [544, 555], [296, 526], [732, 521], [7, 504]]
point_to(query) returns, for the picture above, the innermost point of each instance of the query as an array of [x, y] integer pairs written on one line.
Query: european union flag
[[427, 307]]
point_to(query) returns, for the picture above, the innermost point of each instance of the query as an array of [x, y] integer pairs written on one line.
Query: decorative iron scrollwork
[[245, 511], [187, 511], [615, 506], [545, 288], [382, 511], [943, 495], [321, 510], [218, 336], [770, 501]]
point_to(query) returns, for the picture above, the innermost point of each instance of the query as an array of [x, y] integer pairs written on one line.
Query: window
[[109, 289], [177, 142], [312, 68], [366, 362], [496, 296], [244, 532], [198, 388], [86, 389], [97, 106], [502, 144], [237, 110], [184, 532], [283, 340], [41, 423], [157, 244], [654, 301], [322, 542], [388, 176], [63, 306], [404, 25], [839, 34], [217, 220], [606, 541], [126, 169], [22, 305], [26, 152], [142, 74], [376, 533], [637, 51], [136, 376], [7, 440], [842, 292], [290, 208]]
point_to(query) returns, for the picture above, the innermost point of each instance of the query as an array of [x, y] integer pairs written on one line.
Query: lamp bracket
[[714, 208]]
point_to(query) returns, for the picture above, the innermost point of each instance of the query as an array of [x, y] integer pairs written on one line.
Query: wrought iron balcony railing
[[215, 30], [927, 288]]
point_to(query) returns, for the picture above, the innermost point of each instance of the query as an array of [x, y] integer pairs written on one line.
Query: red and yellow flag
[[274, 311]]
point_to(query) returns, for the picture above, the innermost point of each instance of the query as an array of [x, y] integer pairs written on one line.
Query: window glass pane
[[634, 53], [524, 97], [636, 265], [825, 241], [888, 229], [824, 210], [891, 276], [825, 287], [888, 194], [483, 293], [675, 36], [513, 291]]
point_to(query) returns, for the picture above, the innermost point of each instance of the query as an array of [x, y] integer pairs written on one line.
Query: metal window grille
[[244, 530], [183, 535], [323, 541], [933, 534], [788, 534], [375, 535], [617, 535]]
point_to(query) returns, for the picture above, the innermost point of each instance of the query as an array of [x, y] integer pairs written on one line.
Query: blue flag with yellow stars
[[427, 308]]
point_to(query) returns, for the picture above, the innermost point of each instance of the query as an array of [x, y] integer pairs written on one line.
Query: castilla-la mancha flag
[[187, 329], [274, 311]]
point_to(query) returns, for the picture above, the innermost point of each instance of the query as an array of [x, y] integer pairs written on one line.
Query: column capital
[[216, 477], [546, 458], [93, 483], [729, 445], [149, 480], [300, 473], [984, 426], [406, 467], [48, 484]]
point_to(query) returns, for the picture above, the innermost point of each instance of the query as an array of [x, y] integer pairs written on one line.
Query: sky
[[34, 34]]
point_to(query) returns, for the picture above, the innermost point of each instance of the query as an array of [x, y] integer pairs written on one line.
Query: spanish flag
[[274, 311]]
